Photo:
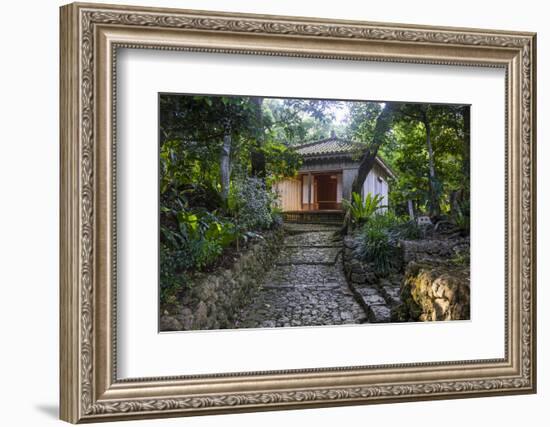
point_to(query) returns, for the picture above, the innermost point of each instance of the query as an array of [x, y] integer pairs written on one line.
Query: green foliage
[[276, 215], [281, 160], [397, 227], [362, 120], [378, 241], [461, 258], [199, 222], [193, 240], [406, 152], [300, 120], [411, 166], [376, 248], [461, 215], [360, 210], [250, 203]]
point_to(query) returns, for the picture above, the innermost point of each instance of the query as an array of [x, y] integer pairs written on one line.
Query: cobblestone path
[[306, 286]]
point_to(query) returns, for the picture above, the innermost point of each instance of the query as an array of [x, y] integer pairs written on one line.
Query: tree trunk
[[257, 157], [225, 161], [383, 125], [434, 196]]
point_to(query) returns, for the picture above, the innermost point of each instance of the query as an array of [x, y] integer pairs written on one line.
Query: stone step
[[313, 239], [300, 255], [391, 294], [373, 302], [292, 228], [304, 275], [379, 314], [335, 245], [322, 216]]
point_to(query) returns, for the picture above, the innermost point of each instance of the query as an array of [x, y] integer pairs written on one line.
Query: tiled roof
[[334, 146], [326, 146]]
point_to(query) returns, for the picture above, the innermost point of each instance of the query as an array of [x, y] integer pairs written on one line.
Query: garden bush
[[378, 241], [462, 216], [194, 241], [361, 210], [250, 203]]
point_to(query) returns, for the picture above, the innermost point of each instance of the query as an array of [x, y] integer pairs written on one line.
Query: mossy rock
[[436, 291]]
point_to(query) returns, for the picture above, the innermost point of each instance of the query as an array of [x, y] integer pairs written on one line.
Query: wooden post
[[309, 181], [411, 209]]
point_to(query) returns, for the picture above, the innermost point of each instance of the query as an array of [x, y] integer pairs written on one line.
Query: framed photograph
[[267, 212]]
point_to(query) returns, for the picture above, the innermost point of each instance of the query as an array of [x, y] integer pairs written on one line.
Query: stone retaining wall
[[377, 295], [216, 298], [430, 288], [418, 250]]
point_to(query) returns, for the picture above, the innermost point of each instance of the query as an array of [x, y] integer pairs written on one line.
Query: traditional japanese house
[[326, 177]]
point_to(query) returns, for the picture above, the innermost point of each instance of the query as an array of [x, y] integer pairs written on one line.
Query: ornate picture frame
[[90, 37]]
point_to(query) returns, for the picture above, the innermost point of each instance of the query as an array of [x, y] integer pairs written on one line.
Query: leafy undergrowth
[[379, 236], [200, 240]]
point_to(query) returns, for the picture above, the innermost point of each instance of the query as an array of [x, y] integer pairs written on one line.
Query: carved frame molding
[[90, 36]]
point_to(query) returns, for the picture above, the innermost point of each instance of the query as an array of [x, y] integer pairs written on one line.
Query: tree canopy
[[220, 155]]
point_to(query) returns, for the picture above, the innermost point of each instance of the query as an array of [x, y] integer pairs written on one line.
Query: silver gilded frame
[[90, 37]]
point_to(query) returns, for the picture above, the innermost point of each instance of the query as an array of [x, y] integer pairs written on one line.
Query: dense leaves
[[378, 240], [427, 146], [361, 210], [220, 155], [250, 204], [409, 156]]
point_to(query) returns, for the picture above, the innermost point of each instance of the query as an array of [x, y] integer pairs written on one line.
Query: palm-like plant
[[360, 210]]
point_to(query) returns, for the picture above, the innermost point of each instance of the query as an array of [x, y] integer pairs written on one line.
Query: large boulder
[[434, 290]]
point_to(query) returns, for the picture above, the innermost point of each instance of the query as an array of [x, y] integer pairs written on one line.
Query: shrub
[[192, 242], [276, 216], [250, 203], [378, 241], [407, 230], [193, 239], [461, 258], [377, 248], [360, 210], [173, 263], [462, 216]]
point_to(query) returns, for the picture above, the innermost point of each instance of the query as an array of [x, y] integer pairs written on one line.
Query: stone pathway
[[306, 286]]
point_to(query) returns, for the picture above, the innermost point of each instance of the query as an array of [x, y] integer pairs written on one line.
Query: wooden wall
[[294, 192], [289, 192], [376, 184]]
